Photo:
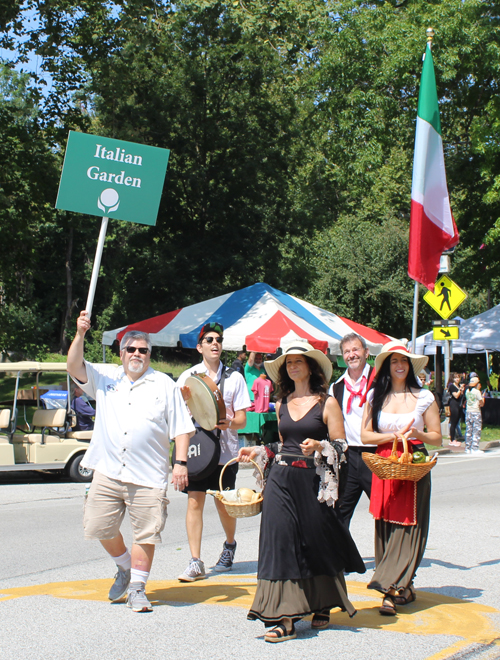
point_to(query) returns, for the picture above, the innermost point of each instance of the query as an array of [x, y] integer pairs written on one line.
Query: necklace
[[305, 402]]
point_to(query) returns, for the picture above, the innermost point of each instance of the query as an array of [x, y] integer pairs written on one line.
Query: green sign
[[112, 178]]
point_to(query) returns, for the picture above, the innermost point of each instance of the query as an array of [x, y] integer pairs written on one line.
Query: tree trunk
[[70, 302]]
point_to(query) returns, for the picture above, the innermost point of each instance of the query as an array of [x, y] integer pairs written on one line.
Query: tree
[[291, 125]]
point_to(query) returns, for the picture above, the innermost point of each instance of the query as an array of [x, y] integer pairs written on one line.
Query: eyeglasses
[[209, 340], [133, 349]]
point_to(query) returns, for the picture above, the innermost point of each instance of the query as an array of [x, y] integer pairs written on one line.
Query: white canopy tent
[[478, 334]]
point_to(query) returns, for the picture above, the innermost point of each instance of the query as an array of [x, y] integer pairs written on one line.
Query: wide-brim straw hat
[[297, 347], [418, 362]]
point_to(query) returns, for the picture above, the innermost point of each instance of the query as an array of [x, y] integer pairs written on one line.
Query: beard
[[136, 366]]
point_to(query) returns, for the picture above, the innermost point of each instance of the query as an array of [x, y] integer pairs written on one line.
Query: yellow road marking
[[430, 614]]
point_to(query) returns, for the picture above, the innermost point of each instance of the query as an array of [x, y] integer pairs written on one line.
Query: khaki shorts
[[105, 506]]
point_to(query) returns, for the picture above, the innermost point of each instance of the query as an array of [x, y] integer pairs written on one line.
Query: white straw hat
[[298, 347], [418, 362]]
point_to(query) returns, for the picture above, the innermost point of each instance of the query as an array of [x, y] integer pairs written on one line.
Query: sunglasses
[[133, 349], [209, 340]]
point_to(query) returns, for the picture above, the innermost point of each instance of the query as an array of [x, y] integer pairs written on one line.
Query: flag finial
[[430, 34]]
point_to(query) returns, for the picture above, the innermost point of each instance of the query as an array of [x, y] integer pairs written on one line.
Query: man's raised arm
[[75, 364]]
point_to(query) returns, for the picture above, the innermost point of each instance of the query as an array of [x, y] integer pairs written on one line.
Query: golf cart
[[36, 430]]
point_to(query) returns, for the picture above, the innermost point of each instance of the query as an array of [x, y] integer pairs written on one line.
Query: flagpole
[[430, 34], [415, 319]]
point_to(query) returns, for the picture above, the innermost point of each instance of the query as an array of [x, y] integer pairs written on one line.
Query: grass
[[490, 433]]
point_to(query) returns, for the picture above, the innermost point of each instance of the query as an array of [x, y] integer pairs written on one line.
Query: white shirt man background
[[236, 399]]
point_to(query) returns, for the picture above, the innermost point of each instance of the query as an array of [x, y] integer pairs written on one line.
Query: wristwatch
[[183, 463]]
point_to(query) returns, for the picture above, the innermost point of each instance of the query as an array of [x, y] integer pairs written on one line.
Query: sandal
[[320, 620], [388, 607], [282, 634], [405, 600]]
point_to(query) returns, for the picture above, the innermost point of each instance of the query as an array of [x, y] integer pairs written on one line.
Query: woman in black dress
[[456, 403], [304, 546]]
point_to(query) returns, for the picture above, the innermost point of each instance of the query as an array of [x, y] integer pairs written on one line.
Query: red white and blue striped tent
[[257, 317]]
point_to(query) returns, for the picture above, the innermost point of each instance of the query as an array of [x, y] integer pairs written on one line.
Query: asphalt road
[[53, 584]]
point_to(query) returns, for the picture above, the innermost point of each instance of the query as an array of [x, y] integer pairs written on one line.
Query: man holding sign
[[138, 411]]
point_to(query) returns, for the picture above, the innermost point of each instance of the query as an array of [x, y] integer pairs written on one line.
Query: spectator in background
[[262, 388], [455, 403], [252, 371], [84, 412], [473, 418], [238, 363]]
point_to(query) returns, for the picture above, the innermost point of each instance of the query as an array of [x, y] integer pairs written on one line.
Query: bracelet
[[183, 463]]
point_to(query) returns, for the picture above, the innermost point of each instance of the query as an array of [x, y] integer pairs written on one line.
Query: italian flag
[[432, 227]]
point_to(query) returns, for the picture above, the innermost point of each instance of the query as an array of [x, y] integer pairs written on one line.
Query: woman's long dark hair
[[317, 380], [382, 387]]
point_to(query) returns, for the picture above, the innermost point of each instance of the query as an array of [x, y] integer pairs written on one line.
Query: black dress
[[304, 546]]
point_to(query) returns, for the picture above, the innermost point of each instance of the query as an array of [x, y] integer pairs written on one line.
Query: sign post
[[447, 298], [111, 179]]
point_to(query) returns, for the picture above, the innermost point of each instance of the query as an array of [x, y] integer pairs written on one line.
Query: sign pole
[[96, 267], [415, 315], [447, 358]]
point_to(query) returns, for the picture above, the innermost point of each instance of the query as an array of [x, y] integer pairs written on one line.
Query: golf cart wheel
[[77, 472]]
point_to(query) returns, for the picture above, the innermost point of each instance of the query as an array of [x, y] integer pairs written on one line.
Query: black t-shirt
[[453, 400]]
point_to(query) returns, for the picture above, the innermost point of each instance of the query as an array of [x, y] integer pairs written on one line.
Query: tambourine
[[206, 404]]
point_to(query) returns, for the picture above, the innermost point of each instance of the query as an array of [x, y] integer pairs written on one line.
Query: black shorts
[[212, 482]]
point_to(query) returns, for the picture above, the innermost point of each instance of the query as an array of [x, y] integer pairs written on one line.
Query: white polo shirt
[[352, 421], [134, 424], [235, 398]]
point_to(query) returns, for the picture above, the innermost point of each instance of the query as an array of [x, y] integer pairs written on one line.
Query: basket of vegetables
[[407, 467], [240, 502]]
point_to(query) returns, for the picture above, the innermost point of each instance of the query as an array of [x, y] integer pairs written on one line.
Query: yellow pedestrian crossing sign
[[447, 297], [445, 332]]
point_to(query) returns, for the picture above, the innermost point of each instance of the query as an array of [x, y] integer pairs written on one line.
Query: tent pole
[[414, 324], [487, 368]]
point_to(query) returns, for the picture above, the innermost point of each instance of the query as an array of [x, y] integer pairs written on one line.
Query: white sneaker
[[195, 571], [475, 452], [467, 451], [137, 599]]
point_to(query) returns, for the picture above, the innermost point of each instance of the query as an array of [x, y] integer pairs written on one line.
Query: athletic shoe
[[475, 452], [137, 599], [226, 558], [467, 451], [195, 571], [120, 585]]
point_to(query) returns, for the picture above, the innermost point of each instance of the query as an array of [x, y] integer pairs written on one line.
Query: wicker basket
[[385, 468], [238, 509]]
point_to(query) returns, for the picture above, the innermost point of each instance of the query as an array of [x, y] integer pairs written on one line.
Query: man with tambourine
[[218, 419]]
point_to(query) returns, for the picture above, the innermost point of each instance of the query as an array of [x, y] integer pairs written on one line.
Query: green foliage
[[361, 273], [291, 128]]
